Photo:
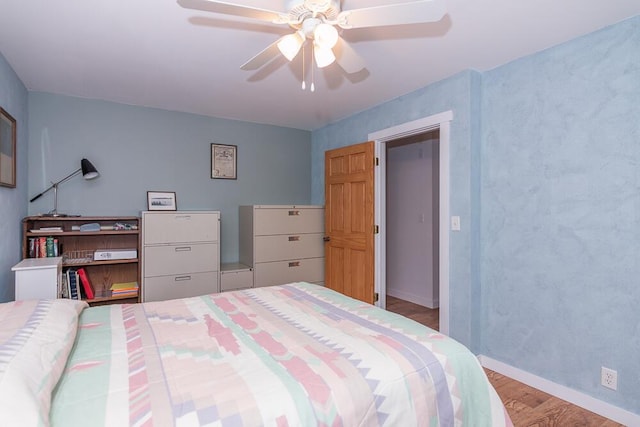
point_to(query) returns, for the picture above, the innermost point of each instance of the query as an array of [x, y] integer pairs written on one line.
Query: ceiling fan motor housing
[[299, 10]]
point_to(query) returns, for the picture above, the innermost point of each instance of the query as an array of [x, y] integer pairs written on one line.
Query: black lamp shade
[[88, 170]]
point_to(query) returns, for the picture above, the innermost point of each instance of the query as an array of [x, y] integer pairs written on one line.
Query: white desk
[[38, 278]]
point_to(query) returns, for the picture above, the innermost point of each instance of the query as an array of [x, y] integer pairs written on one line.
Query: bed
[[291, 355]]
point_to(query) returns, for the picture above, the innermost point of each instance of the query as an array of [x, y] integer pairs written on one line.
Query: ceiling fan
[[316, 21]]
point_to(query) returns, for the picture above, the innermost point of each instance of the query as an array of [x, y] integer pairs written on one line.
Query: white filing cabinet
[[234, 276], [283, 244], [180, 254], [38, 278]]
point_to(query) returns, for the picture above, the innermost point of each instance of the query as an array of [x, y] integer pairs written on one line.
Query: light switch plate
[[455, 223]]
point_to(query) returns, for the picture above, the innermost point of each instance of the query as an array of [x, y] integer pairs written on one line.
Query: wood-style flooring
[[527, 406]]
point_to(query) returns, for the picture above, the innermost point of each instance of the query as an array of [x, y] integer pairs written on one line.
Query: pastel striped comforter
[[292, 355]]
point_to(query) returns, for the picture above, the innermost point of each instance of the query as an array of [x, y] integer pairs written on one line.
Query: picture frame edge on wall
[[224, 161], [162, 201], [8, 179]]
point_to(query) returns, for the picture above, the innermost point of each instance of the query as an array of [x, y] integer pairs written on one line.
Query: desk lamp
[[88, 172]]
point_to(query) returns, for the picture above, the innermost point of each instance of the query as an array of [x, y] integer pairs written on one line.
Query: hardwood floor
[[527, 406]]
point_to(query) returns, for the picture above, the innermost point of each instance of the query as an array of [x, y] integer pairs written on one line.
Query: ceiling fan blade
[[347, 58], [394, 14], [267, 54], [235, 9]]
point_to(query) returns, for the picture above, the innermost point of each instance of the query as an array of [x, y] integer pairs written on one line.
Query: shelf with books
[[78, 250]]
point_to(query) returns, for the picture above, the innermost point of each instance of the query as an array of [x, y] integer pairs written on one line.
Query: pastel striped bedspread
[[291, 355]]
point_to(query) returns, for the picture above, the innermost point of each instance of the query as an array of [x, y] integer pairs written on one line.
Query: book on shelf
[[86, 284], [72, 281], [46, 230], [124, 289], [63, 289], [49, 246], [42, 247]]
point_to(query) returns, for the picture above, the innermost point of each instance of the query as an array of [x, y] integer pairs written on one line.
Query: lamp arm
[[40, 195], [55, 184]]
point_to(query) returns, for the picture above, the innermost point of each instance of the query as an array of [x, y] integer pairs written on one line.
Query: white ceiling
[[155, 53]]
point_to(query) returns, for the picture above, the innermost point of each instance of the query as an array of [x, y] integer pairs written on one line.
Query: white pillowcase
[[36, 337]]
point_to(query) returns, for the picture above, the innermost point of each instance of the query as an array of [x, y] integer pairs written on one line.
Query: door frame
[[442, 122]]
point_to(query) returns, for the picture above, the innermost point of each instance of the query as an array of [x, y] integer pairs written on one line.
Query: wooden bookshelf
[[77, 249]]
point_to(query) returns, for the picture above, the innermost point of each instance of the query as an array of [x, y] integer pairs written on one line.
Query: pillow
[[36, 337]]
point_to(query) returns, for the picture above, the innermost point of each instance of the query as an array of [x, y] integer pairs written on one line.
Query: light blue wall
[[139, 149], [453, 94], [545, 166], [13, 201], [561, 213]]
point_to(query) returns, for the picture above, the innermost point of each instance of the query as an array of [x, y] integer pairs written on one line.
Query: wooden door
[[349, 228]]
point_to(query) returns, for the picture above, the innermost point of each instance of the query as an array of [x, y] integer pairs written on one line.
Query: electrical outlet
[[609, 378]]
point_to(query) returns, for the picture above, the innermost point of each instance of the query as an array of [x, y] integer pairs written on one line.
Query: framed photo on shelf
[[161, 201], [224, 160]]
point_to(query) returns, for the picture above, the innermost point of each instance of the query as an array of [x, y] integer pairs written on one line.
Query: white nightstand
[[38, 278]]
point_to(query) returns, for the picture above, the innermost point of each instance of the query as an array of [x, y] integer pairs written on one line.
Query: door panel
[[349, 220]]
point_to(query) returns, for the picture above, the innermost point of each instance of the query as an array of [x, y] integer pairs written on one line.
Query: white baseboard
[[411, 297], [585, 401]]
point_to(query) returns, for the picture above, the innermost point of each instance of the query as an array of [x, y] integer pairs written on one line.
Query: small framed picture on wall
[[161, 201], [224, 160]]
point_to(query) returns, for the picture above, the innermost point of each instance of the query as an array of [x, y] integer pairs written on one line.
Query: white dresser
[[180, 254], [283, 244]]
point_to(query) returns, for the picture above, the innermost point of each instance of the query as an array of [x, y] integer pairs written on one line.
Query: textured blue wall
[[561, 213], [453, 94], [139, 149], [545, 167], [13, 201]]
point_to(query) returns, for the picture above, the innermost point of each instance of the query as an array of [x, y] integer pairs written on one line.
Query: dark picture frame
[[224, 161], [8, 134], [161, 201]]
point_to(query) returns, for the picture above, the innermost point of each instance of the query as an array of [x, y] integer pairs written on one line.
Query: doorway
[[440, 122], [412, 219]]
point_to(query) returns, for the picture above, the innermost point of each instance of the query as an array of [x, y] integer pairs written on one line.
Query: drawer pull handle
[[183, 249], [294, 264], [187, 217], [294, 238], [181, 278], [294, 213]]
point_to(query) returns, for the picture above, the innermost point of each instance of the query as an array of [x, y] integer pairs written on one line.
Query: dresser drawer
[[288, 246], [282, 272], [180, 286], [288, 220], [159, 228], [176, 259], [232, 280]]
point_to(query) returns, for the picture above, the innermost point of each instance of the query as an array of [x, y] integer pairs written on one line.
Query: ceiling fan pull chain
[[313, 79], [304, 85]]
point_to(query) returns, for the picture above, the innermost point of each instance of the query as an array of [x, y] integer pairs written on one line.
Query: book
[[49, 246], [32, 247], [42, 247], [86, 284], [63, 291], [124, 289], [72, 277]]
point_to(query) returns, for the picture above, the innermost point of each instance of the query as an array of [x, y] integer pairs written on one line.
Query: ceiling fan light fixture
[[290, 44], [325, 35], [323, 56]]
